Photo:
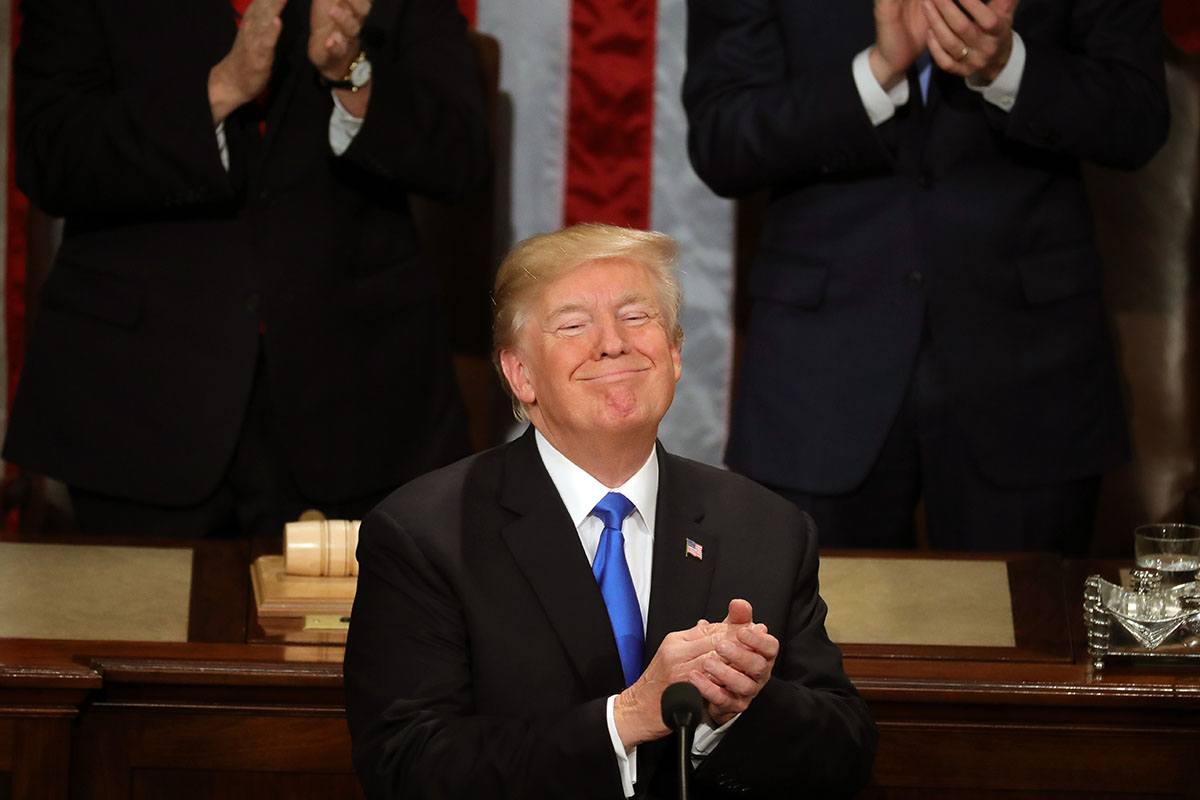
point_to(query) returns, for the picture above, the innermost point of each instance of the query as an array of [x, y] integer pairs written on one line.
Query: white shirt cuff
[[343, 127], [626, 761], [222, 145], [708, 737], [1002, 92], [880, 104]]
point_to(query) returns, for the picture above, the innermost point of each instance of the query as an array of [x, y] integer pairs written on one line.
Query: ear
[[677, 361], [515, 373]]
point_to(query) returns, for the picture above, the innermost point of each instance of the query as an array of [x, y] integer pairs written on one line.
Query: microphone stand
[[682, 708]]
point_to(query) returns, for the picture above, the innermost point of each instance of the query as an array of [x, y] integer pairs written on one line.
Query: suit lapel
[[545, 545], [679, 582]]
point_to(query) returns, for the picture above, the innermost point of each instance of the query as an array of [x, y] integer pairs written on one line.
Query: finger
[[713, 693], [681, 646], [760, 642], [730, 678], [953, 21], [1004, 8], [337, 45], [259, 42], [944, 60], [746, 661], [713, 632], [942, 54], [262, 10], [360, 7], [345, 21], [740, 612], [702, 629], [985, 18], [270, 36], [939, 26]]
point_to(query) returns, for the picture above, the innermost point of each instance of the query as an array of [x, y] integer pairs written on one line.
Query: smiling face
[[593, 357]]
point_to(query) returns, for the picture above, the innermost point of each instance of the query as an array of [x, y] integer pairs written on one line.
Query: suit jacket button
[[925, 180], [915, 279], [253, 302]]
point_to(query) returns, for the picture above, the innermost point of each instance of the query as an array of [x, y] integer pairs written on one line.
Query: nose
[[611, 338]]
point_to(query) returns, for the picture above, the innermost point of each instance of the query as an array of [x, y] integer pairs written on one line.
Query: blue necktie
[[612, 573], [924, 70]]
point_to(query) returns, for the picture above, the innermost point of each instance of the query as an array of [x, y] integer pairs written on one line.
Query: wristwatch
[[357, 75]]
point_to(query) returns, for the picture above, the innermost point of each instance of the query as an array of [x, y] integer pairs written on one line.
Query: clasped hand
[[973, 41], [728, 662]]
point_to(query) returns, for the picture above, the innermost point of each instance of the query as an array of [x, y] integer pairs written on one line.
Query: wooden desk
[[233, 713]]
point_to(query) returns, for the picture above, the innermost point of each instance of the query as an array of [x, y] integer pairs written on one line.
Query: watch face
[[360, 74]]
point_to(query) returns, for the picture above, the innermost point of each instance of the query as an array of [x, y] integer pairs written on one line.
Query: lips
[[616, 374]]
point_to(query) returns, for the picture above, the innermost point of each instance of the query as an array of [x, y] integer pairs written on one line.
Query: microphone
[[682, 708]]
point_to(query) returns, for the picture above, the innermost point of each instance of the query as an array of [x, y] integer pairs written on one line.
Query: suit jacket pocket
[[97, 295], [1058, 274], [795, 280]]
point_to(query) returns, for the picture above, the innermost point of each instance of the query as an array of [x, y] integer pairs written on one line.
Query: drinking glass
[[1172, 548]]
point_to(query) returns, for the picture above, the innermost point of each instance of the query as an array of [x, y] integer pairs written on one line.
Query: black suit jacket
[[480, 654], [173, 272], [954, 215]]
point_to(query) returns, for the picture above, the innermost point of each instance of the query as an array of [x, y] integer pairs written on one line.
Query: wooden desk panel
[[218, 716]]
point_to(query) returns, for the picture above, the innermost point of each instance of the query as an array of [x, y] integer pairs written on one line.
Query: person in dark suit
[[926, 308], [239, 323], [492, 652]]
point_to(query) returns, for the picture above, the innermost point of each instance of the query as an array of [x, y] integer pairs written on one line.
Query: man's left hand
[[333, 42], [739, 666], [975, 46]]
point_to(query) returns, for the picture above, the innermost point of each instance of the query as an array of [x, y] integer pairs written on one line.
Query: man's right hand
[[735, 648], [243, 73], [900, 36]]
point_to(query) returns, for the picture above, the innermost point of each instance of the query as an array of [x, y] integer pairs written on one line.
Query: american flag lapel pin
[[694, 549]]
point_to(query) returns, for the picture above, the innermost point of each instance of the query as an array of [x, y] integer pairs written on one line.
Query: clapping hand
[[973, 41], [333, 38], [243, 73]]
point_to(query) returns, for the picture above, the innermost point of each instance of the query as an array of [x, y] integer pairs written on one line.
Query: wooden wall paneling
[[41, 757], [41, 692], [259, 753], [1068, 757], [156, 784], [6, 760]]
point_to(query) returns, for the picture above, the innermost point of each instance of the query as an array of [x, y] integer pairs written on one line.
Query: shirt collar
[[580, 491]]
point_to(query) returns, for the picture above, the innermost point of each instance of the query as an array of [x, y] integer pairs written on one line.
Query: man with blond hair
[[520, 613]]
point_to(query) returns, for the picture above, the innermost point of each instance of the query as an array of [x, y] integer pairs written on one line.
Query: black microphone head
[[682, 706]]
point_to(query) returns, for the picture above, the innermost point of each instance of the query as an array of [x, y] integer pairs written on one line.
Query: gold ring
[[964, 53]]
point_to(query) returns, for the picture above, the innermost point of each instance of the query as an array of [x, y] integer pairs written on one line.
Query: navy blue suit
[[954, 220]]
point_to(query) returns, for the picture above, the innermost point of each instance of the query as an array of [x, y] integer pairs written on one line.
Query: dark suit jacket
[[480, 653], [139, 369], [958, 216]]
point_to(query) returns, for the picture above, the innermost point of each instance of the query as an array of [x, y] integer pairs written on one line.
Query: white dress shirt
[[580, 493]]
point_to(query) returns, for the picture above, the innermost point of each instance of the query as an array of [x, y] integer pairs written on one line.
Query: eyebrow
[[627, 299]]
